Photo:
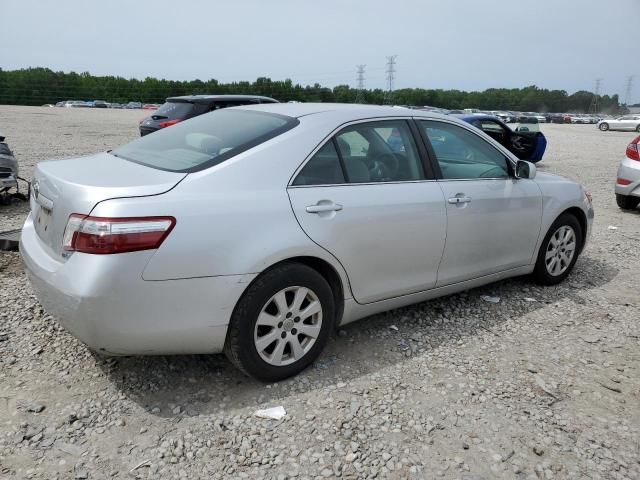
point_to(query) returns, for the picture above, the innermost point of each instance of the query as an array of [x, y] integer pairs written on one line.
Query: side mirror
[[525, 170]]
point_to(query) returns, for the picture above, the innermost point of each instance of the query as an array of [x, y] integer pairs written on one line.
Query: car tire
[[604, 127], [267, 338], [638, 129], [627, 202], [554, 246]]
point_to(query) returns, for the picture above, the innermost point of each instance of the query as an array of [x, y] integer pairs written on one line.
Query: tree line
[[37, 86]]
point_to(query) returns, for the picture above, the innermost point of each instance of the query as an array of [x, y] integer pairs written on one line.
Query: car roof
[[210, 98], [298, 110]]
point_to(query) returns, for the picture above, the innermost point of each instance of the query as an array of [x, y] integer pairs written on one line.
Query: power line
[[360, 83], [390, 71]]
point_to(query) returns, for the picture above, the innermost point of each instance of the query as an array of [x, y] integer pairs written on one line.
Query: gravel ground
[[543, 384]]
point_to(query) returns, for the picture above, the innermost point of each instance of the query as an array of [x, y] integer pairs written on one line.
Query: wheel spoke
[[268, 320], [296, 349], [281, 302], [309, 330], [557, 268], [278, 352], [310, 310], [266, 340], [550, 254], [301, 294]]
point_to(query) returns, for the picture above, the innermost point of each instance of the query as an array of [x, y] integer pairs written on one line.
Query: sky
[[461, 44]]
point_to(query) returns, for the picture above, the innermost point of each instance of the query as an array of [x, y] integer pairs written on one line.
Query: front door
[[493, 219], [364, 197]]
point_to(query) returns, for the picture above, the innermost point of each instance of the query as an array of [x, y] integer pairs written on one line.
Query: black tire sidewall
[[541, 275], [242, 325], [626, 202]]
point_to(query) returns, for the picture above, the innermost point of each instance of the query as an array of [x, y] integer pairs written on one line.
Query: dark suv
[[177, 109]]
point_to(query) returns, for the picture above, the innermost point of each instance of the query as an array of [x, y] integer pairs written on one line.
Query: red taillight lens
[[168, 123], [623, 181], [632, 149], [104, 236]]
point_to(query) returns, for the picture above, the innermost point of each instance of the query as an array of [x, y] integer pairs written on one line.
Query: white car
[[257, 230], [628, 178], [628, 123]]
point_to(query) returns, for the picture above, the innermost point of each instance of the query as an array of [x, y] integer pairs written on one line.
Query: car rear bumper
[[147, 130], [103, 301], [629, 170], [8, 182]]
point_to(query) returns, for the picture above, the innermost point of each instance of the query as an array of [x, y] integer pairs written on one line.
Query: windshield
[[204, 141]]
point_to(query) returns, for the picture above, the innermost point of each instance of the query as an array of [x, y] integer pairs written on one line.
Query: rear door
[[493, 219], [366, 197]]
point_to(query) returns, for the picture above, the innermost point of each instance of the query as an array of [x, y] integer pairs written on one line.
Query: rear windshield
[[174, 110], [205, 141]]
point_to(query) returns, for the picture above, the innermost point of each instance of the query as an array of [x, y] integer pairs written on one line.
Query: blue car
[[527, 142]]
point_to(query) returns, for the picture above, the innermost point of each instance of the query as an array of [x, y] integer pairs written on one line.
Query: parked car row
[[508, 116], [103, 104]]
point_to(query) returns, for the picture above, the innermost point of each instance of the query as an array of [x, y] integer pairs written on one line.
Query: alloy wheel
[[288, 326], [560, 250]]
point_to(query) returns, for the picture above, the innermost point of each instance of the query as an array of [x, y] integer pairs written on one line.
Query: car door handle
[[324, 207], [456, 200]]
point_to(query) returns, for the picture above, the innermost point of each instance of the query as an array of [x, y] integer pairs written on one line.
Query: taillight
[[104, 236], [632, 149], [623, 181], [168, 123]]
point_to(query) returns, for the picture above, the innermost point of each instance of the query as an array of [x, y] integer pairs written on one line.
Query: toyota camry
[[258, 230]]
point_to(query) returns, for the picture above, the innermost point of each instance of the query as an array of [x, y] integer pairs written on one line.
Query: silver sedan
[[259, 230], [628, 123]]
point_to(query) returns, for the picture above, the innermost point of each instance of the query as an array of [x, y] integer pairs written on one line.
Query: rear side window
[[381, 151], [323, 168], [206, 140]]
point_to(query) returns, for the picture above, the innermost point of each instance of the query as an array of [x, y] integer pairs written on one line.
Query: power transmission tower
[[627, 92], [593, 107], [360, 83], [391, 70]]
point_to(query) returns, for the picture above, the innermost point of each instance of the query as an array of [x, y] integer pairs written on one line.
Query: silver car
[[628, 123], [258, 230], [628, 178]]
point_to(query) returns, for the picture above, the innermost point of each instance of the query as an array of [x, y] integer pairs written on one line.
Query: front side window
[[383, 151], [206, 140], [462, 154]]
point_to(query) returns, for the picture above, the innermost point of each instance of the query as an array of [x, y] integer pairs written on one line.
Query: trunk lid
[[76, 185]]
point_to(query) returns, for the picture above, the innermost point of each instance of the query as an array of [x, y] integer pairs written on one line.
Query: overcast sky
[[464, 44]]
